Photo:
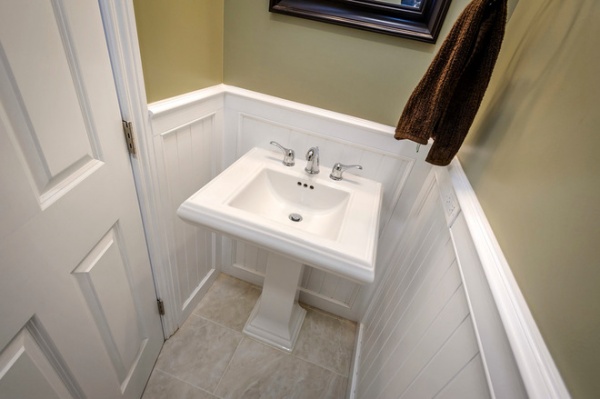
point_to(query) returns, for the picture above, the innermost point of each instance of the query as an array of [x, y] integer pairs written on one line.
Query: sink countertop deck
[[349, 252]]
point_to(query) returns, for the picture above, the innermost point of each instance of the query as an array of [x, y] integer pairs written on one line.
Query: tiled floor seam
[[227, 368], [218, 324], [319, 365], [187, 383], [240, 297], [262, 343], [228, 363]]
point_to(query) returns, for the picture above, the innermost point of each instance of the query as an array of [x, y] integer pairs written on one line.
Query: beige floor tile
[[327, 341], [199, 352], [259, 371], [210, 358], [163, 386], [228, 302]]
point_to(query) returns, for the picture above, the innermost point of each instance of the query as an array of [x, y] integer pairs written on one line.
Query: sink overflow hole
[[295, 217]]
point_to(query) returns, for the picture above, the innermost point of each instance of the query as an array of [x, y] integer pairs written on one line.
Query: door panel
[[51, 138], [29, 355], [103, 279], [73, 259]]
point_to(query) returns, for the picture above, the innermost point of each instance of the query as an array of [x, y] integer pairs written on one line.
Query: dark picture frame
[[421, 20]]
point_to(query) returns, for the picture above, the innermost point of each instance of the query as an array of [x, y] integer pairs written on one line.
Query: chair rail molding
[[538, 370]]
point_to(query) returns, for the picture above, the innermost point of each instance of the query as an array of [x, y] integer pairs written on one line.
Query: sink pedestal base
[[277, 318]]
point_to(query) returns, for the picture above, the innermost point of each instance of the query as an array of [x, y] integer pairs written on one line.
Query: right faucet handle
[[338, 169], [288, 154]]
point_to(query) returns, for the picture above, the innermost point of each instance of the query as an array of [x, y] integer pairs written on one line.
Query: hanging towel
[[444, 103]]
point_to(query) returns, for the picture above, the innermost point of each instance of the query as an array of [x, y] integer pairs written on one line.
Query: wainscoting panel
[[185, 151], [328, 287], [249, 258], [186, 138], [418, 332], [516, 359]]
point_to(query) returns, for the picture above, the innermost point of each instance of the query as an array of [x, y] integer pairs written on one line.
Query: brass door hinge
[[161, 307], [128, 131]]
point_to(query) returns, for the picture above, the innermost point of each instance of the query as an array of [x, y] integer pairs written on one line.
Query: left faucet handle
[[288, 154]]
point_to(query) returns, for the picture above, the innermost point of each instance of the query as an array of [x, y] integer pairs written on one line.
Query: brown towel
[[444, 103]]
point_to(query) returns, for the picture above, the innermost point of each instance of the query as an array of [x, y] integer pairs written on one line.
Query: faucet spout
[[312, 161]]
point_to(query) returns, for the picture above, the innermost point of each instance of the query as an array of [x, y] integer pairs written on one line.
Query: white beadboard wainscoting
[[443, 318], [419, 337], [448, 319], [186, 141]]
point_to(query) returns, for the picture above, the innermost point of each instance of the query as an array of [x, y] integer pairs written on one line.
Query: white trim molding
[[538, 370], [354, 366], [121, 35]]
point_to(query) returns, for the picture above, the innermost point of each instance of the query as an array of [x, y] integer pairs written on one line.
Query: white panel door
[[78, 313]]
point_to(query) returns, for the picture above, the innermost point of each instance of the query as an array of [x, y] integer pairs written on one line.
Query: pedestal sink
[[301, 219]]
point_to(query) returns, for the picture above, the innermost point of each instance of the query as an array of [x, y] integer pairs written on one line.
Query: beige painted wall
[[359, 73], [181, 42], [532, 157]]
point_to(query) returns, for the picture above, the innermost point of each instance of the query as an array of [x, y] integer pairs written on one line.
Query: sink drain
[[295, 217]]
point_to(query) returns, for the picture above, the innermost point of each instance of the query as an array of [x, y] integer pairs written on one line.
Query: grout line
[[228, 364], [219, 324], [183, 381], [292, 354], [319, 365], [269, 346], [227, 368]]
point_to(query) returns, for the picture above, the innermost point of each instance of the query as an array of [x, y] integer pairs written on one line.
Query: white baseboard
[[354, 368]]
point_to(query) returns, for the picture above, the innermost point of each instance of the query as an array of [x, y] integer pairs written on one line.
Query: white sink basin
[[253, 199], [275, 195]]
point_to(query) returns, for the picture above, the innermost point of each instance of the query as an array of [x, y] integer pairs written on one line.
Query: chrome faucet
[[288, 154], [312, 161], [338, 169]]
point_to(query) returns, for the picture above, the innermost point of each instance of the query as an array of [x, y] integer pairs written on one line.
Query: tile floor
[[210, 358]]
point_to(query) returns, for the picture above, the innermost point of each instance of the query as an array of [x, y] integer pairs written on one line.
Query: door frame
[[120, 29]]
